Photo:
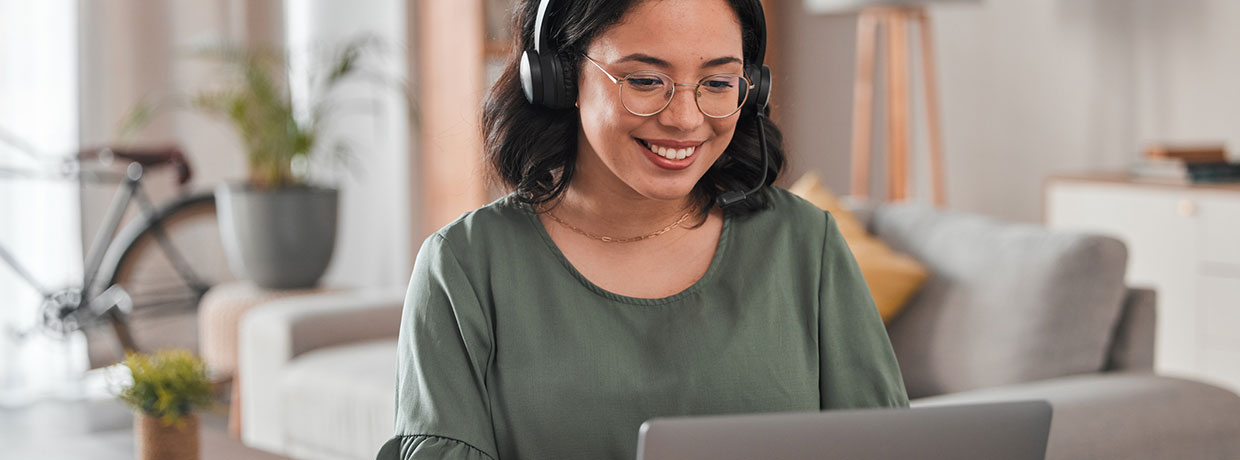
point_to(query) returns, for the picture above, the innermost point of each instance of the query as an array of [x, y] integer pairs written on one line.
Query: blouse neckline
[[706, 278]]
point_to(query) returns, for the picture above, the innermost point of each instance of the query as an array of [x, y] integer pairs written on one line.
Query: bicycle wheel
[[165, 277]]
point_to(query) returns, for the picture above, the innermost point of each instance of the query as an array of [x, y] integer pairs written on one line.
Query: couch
[[1010, 312]]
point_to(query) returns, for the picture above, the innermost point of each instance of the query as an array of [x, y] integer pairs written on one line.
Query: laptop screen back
[[1015, 430]]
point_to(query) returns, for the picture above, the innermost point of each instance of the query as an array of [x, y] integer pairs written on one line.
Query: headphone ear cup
[[559, 89], [761, 94], [550, 79], [550, 84], [568, 81], [531, 77], [546, 78]]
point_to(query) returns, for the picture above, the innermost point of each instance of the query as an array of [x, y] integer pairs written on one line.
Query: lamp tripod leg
[[932, 109], [863, 103], [897, 103]]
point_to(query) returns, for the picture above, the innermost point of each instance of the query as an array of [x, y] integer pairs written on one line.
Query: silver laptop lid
[[1010, 430]]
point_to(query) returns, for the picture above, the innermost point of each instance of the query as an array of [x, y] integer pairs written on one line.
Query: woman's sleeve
[[858, 368], [442, 409]]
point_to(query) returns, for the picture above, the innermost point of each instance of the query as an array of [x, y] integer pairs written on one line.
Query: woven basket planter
[[156, 441]]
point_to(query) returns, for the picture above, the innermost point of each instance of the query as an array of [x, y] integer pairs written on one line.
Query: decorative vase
[[156, 441], [280, 238]]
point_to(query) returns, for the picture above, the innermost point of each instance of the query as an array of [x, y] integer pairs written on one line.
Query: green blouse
[[507, 352]]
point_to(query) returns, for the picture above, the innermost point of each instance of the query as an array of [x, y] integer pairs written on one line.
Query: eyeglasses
[[646, 93]]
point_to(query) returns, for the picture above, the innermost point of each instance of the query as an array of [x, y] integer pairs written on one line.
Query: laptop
[[1008, 430]]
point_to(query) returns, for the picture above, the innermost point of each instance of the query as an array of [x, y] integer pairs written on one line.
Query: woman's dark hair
[[533, 149]]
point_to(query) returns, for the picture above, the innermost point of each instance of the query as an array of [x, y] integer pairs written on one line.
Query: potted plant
[[279, 226], [167, 389]]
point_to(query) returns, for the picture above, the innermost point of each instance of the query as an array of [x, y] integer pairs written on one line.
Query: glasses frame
[[620, 80]]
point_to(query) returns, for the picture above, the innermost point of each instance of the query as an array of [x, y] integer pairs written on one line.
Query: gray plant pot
[[279, 238]]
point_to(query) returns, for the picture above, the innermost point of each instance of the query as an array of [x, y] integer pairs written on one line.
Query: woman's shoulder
[[788, 212], [504, 218]]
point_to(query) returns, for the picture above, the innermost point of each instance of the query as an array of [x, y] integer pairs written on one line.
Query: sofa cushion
[[1128, 416], [340, 402], [1005, 303], [891, 277]]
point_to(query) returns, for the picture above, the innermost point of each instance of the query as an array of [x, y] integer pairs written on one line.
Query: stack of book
[[1191, 165]]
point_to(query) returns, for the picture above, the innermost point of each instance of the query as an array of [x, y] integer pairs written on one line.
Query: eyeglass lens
[[647, 93]]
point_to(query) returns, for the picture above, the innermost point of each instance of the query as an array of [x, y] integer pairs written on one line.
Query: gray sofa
[[1010, 312], [1016, 311]]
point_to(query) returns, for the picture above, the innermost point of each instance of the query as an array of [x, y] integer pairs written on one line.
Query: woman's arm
[[858, 368], [442, 409]]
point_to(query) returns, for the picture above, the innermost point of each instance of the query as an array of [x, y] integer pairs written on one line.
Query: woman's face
[[685, 39]]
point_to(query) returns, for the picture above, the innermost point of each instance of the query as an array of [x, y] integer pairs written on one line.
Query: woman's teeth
[[671, 154]]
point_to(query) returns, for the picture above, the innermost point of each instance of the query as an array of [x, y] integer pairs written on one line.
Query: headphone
[[547, 81]]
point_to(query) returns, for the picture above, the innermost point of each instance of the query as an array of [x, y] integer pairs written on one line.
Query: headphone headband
[[760, 59], [547, 80], [539, 37], [759, 73]]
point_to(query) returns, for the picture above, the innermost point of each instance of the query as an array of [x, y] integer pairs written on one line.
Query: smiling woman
[[688, 40], [533, 147], [614, 284]]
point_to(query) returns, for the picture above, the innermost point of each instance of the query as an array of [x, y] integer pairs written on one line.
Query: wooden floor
[[101, 430]]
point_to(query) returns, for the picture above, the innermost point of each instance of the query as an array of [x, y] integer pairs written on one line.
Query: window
[[39, 218]]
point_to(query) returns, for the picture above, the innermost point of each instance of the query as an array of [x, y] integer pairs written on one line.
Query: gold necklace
[[608, 239]]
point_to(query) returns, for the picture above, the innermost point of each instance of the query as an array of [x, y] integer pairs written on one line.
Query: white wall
[[1029, 88], [135, 48], [373, 237], [1187, 67]]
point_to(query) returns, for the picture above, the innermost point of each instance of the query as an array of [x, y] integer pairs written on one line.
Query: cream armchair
[[318, 375]]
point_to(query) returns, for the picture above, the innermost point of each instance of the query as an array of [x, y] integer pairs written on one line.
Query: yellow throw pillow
[[891, 276]]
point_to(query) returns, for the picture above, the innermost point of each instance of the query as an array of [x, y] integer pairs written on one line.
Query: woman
[[610, 287]]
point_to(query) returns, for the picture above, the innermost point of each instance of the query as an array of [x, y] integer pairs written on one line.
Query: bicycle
[[136, 278]]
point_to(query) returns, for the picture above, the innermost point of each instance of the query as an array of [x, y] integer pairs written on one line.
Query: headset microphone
[[760, 75], [735, 196]]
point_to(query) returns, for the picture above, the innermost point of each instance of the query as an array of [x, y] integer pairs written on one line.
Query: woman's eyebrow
[[648, 59]]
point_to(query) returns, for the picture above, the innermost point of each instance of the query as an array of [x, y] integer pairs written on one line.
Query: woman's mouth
[[669, 155], [669, 152]]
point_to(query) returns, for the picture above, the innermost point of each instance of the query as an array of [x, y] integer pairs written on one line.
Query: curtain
[[39, 221]]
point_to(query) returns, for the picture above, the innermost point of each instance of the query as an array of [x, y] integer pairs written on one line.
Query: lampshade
[[847, 6]]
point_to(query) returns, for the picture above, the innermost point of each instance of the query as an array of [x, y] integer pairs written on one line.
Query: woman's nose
[[682, 112]]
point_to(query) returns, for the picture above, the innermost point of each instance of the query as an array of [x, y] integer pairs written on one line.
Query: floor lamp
[[892, 18]]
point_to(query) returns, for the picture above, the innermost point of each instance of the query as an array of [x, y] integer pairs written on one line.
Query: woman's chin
[[668, 192]]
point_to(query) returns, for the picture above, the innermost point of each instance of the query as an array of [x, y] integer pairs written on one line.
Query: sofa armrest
[[1132, 345], [274, 333], [1129, 416]]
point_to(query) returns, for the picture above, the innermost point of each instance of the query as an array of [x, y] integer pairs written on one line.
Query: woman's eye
[[719, 85], [645, 83]]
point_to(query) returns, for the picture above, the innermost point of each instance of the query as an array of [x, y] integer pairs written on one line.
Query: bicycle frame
[[97, 297]]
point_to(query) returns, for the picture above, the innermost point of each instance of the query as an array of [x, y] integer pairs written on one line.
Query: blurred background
[[1022, 95], [74, 70]]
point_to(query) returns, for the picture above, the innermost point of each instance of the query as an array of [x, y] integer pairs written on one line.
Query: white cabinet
[[1183, 241]]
